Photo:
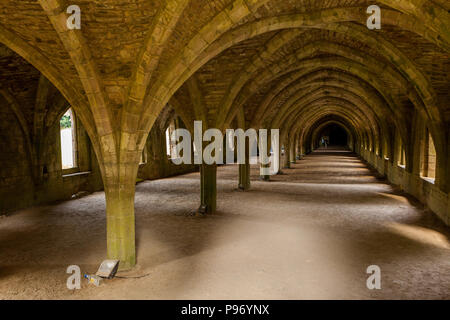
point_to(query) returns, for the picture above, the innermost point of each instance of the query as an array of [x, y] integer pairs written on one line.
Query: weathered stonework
[[294, 65]]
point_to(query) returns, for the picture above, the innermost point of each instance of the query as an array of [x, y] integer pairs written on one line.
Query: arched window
[[401, 154], [170, 143], [68, 140], [143, 159], [385, 150], [428, 163], [401, 160]]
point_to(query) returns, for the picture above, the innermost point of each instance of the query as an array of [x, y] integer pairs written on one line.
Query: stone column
[[444, 172], [301, 151], [208, 188], [443, 168], [296, 148], [120, 223], [287, 151], [264, 177], [262, 166], [244, 171], [292, 153]]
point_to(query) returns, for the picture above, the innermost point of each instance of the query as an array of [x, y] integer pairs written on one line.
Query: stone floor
[[310, 233]]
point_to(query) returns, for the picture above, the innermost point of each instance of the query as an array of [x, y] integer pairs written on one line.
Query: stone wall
[[421, 188], [19, 189], [58, 184], [16, 183]]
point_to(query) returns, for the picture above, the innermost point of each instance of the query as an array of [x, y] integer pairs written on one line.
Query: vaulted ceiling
[[268, 63]]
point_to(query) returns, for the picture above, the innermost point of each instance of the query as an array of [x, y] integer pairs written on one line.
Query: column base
[[208, 186], [243, 187]]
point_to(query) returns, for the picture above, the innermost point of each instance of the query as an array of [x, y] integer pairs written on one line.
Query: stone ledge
[[429, 180], [419, 187], [83, 173]]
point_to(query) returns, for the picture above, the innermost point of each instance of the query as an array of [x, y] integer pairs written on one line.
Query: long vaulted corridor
[[185, 149], [309, 233]]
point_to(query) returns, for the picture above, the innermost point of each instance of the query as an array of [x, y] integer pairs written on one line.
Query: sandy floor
[[310, 233]]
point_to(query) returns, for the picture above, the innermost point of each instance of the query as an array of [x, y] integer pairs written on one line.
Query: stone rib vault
[[297, 65]]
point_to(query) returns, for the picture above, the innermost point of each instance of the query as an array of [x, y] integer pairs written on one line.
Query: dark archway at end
[[335, 134]]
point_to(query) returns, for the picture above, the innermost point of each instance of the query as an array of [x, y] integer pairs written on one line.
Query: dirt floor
[[310, 233]]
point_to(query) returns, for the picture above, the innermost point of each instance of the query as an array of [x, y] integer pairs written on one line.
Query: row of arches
[[297, 67]]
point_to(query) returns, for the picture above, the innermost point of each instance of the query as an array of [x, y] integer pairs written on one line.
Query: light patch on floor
[[309, 233], [420, 234]]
